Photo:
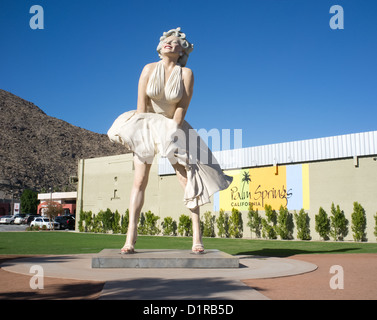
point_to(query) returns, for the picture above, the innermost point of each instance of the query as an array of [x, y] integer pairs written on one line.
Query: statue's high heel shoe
[[198, 248], [128, 248]]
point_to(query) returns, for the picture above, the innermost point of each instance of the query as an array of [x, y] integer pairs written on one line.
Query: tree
[[185, 225], [53, 210], [151, 223], [124, 222], [223, 224], [322, 224], [284, 227], [255, 221], [169, 227], [29, 201], [209, 225], [268, 230], [115, 223], [359, 222], [107, 220], [85, 221], [141, 226], [338, 223], [303, 225], [236, 224]]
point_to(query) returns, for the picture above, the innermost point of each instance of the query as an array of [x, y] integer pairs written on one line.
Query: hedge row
[[336, 226], [230, 225]]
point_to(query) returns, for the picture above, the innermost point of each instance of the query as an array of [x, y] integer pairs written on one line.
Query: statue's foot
[[198, 248], [127, 249]]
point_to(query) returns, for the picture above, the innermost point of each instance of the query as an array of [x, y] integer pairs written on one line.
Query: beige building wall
[[106, 183], [343, 183]]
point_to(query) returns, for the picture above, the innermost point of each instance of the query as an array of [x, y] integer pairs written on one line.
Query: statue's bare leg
[[197, 246], [136, 202]]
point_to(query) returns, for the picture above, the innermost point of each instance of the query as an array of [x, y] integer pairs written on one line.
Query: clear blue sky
[[273, 68]]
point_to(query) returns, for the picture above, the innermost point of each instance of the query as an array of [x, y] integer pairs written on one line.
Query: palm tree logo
[[245, 179]]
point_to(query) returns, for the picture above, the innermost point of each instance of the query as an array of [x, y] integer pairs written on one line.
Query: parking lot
[[14, 227]]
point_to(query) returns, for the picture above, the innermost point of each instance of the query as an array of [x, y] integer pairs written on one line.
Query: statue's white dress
[[147, 134]]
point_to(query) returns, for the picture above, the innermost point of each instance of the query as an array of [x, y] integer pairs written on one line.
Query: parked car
[[42, 221], [66, 222], [7, 219], [20, 218], [30, 218]]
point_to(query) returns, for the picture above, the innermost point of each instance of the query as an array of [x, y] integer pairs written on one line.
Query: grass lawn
[[50, 242]]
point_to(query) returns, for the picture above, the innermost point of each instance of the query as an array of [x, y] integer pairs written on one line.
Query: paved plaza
[[303, 277]]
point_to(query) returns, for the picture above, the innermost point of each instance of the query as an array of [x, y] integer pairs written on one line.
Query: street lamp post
[[12, 204]]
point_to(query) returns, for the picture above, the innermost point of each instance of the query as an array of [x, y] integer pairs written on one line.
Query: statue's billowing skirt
[[146, 134]]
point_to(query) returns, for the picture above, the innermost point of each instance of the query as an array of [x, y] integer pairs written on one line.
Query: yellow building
[[305, 174]]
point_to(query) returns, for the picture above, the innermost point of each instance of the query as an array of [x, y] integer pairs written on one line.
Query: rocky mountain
[[38, 151]]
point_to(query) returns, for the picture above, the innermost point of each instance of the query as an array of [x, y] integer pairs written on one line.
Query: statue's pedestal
[[164, 258]]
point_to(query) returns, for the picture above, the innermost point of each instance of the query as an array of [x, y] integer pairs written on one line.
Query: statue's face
[[171, 45]]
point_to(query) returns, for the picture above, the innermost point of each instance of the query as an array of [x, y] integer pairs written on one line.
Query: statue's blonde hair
[[186, 46]]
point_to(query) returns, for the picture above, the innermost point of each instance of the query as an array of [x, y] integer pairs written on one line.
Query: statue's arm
[[188, 83], [142, 98]]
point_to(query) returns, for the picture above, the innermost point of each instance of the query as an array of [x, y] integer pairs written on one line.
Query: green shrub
[[104, 221], [141, 226], [115, 223], [86, 221], [223, 224], [359, 222], [169, 227], [81, 221], [107, 220], [151, 223], [270, 214], [97, 222], [209, 225], [303, 225], [338, 223], [235, 224], [185, 226], [285, 225], [254, 221], [375, 225], [89, 221], [148, 224], [124, 222], [322, 224], [269, 223]]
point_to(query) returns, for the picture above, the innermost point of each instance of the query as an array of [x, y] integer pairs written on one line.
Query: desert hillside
[[38, 151]]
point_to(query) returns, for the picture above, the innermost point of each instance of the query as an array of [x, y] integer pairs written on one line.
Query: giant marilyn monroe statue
[[158, 125]]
